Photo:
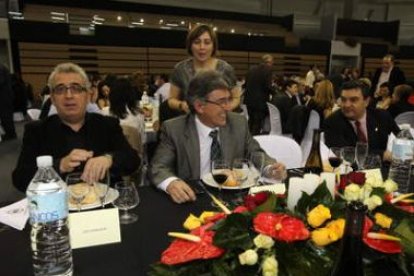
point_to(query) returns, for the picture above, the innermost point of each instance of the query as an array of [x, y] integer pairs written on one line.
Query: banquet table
[[142, 242]]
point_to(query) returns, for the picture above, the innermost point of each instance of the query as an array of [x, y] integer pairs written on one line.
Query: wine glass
[[78, 189], [361, 151], [101, 188], [257, 161], [128, 199], [348, 155], [334, 157], [241, 169], [220, 170]]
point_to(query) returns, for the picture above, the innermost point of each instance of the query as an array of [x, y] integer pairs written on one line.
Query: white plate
[[250, 182], [110, 197]]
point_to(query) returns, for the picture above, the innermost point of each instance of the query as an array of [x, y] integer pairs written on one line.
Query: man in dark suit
[[189, 143], [6, 104], [258, 91], [285, 101], [387, 73], [354, 122], [77, 140]]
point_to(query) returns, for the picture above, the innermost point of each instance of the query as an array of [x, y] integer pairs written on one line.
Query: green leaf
[[303, 204], [405, 230], [379, 192], [233, 233], [195, 268], [320, 196]]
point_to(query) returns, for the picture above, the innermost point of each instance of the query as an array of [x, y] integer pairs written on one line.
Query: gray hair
[[203, 84], [68, 67]]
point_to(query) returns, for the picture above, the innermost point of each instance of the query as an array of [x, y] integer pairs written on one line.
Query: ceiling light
[[97, 18], [172, 24], [249, 33], [141, 20], [165, 28], [97, 22], [182, 22], [57, 18], [58, 13], [232, 31], [215, 29], [161, 21], [119, 18], [137, 23]]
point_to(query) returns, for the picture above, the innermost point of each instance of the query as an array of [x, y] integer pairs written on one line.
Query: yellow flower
[[323, 236], [383, 220], [337, 226], [205, 215], [192, 222], [318, 215], [390, 186], [248, 257]]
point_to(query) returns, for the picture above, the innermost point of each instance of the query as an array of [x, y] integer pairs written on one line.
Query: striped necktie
[[215, 152]]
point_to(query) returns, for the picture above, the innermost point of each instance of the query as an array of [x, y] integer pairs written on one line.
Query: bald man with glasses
[[77, 140], [189, 143]]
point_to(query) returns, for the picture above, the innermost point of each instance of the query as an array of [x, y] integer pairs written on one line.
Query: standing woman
[[202, 45]]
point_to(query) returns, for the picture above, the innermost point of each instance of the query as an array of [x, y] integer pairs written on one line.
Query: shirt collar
[[202, 129], [362, 120]]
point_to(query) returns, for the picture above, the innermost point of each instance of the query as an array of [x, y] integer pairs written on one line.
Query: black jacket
[[396, 77], [258, 87]]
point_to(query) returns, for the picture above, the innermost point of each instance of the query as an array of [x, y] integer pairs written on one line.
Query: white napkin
[[15, 215], [273, 188]]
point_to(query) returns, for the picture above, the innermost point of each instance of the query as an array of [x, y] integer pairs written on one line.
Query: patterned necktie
[[215, 152], [360, 133]]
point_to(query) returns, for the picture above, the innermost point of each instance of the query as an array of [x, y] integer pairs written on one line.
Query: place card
[[94, 228], [278, 189], [330, 179], [296, 187]]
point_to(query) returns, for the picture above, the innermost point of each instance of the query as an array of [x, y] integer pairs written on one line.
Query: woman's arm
[[174, 101], [235, 94]]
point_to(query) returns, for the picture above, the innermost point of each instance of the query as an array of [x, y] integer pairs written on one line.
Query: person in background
[[78, 141], [382, 98], [6, 105], [103, 94], [354, 122], [164, 88], [202, 46], [323, 101], [387, 73], [189, 143], [258, 92], [400, 100]]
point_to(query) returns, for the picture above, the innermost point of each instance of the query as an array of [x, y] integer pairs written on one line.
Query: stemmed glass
[[220, 170], [361, 151], [128, 199], [372, 161], [101, 188], [241, 171], [78, 189], [348, 155], [257, 160], [334, 157]]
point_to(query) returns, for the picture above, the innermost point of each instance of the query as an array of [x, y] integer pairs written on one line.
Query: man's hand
[[74, 159], [276, 171], [96, 168], [180, 192]]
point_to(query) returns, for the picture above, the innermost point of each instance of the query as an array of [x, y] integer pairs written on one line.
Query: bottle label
[[48, 207], [402, 151]]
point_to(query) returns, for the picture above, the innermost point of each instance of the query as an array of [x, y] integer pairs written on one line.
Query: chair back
[[244, 111], [133, 137], [405, 118], [281, 148], [313, 123], [33, 113], [275, 120]]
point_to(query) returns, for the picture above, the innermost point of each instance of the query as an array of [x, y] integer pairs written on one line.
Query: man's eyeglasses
[[75, 88], [222, 102]]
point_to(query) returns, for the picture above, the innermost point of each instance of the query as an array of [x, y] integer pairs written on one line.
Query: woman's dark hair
[[121, 97], [196, 32], [100, 90]]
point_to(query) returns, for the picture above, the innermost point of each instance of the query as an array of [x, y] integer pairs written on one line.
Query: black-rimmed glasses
[[222, 102], [75, 88]]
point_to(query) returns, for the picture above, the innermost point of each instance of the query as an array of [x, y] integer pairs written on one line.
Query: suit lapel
[[372, 128], [192, 145]]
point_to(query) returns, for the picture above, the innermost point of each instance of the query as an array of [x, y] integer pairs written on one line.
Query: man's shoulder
[[335, 117], [99, 118]]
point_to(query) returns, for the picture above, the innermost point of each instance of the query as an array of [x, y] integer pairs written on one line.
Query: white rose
[[248, 257], [263, 241], [390, 186], [365, 192], [270, 266], [374, 181], [352, 192], [373, 202]]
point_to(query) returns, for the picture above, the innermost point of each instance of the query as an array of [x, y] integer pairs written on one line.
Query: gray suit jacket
[[178, 153]]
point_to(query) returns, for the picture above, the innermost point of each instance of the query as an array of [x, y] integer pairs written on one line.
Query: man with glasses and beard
[[190, 142], [77, 140]]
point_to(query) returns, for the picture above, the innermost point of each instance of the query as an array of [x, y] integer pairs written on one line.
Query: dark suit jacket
[[103, 136], [396, 77], [285, 105], [178, 153], [258, 87], [339, 131]]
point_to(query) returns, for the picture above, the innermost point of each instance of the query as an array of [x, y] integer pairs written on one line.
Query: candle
[[296, 186], [330, 181]]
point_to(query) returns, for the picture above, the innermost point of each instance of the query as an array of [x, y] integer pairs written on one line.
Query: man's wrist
[[109, 157]]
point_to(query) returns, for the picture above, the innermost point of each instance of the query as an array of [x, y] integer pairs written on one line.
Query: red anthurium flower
[[280, 226], [254, 200], [407, 208], [240, 209], [182, 251], [384, 246]]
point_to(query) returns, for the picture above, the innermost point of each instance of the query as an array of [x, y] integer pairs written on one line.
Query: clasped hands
[[95, 167]]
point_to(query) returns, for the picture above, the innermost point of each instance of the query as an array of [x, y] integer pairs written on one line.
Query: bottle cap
[[44, 161]]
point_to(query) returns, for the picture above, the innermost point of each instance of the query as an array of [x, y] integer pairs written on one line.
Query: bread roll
[[89, 198]]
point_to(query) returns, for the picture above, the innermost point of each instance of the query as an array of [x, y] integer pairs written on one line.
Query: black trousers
[[256, 120]]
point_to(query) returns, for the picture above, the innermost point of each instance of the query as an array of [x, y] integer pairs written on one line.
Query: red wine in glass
[[335, 161], [220, 178]]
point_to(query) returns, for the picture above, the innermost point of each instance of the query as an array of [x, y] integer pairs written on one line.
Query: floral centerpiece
[[263, 237]]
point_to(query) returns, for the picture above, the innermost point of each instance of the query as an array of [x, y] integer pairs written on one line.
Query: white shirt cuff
[[164, 184]]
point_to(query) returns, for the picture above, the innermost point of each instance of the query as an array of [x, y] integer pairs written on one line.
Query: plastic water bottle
[[48, 205], [145, 98], [402, 156]]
